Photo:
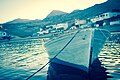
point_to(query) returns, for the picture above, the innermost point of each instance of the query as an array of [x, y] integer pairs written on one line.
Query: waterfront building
[[104, 16], [54, 28], [50, 27], [41, 29], [63, 26], [43, 32], [108, 20], [73, 27], [80, 22]]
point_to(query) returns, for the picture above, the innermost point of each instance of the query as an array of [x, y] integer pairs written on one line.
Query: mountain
[[55, 13], [19, 21], [86, 13], [25, 27], [77, 10], [114, 0], [22, 27], [92, 11]]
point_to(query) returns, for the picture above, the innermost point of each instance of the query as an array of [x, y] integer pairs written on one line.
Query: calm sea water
[[21, 58], [110, 59]]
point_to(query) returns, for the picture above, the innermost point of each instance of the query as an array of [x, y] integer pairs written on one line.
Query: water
[[21, 58], [110, 59]]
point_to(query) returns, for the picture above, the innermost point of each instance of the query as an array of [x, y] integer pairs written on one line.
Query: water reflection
[[20, 59], [110, 58]]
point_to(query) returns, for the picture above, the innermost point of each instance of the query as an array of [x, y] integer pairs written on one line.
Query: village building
[[73, 27], [79, 23], [62, 26], [104, 16], [108, 18], [53, 28]]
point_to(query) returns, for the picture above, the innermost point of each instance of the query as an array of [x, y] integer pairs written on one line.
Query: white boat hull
[[81, 51]]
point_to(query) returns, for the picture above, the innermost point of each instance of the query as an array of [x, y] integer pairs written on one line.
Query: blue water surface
[[21, 58]]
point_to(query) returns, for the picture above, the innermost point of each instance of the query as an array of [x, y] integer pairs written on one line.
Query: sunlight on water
[[110, 58], [20, 59]]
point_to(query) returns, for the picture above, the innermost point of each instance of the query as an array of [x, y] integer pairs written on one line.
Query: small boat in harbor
[[4, 36], [74, 55]]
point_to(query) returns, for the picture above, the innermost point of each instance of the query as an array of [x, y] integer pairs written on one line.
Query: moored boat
[[76, 53]]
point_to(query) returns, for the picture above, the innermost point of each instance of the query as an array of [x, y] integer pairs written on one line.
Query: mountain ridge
[[68, 17], [55, 13]]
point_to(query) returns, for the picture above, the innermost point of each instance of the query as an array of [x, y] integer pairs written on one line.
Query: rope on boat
[[54, 56], [103, 34]]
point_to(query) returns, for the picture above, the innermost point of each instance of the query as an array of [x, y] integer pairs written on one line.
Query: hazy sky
[[39, 9]]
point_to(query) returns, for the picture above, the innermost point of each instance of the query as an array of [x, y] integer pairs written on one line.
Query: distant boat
[[81, 49], [4, 36]]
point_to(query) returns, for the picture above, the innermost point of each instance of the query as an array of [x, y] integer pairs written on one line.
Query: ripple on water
[[19, 59], [110, 59]]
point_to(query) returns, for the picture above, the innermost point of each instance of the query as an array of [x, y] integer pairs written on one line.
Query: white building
[[80, 22], [50, 27], [1, 26], [56, 27], [73, 27], [61, 25], [104, 16], [41, 29], [43, 32], [114, 22]]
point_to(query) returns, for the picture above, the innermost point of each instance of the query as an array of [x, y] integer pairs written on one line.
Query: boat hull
[[65, 72], [81, 52]]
